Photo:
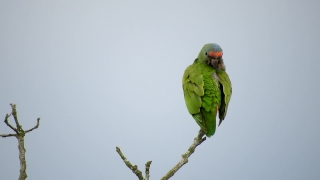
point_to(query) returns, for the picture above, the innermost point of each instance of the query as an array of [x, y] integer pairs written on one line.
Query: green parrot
[[207, 88]]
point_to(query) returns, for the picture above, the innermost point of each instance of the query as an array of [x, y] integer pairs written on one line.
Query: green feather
[[191, 105], [226, 94]]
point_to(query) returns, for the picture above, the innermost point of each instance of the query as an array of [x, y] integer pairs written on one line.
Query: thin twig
[[197, 141], [7, 135], [35, 127], [134, 168], [8, 124]]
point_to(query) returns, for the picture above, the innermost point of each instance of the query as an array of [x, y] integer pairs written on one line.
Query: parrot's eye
[[206, 54]]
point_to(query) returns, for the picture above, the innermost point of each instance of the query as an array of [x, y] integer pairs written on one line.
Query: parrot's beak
[[214, 61], [214, 58]]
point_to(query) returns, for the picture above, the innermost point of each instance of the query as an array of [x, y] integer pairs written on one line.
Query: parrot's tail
[[210, 123]]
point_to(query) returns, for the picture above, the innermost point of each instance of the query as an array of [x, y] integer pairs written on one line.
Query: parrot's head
[[211, 54]]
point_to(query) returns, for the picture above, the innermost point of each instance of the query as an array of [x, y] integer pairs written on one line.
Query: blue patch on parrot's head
[[216, 47], [211, 47]]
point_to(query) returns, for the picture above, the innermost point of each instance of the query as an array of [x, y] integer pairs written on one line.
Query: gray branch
[[20, 133], [148, 164], [35, 127], [7, 135], [197, 141], [8, 124], [134, 168], [15, 117]]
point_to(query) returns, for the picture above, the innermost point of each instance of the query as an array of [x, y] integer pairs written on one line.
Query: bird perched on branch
[[207, 88]]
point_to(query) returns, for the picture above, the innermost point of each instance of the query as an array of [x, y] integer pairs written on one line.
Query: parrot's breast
[[215, 77]]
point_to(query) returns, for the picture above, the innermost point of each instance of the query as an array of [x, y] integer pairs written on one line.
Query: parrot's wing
[[226, 92], [192, 84]]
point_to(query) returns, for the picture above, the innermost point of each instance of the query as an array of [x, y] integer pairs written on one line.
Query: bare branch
[[197, 141], [35, 127], [20, 133], [148, 164], [15, 115], [134, 168], [8, 124], [7, 135]]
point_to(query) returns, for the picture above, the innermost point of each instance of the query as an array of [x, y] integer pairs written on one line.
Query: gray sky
[[102, 74]]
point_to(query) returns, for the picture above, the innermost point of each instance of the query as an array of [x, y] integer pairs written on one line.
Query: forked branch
[[134, 168], [19, 134], [197, 141]]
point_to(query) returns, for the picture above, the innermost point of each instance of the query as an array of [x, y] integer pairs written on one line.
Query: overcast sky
[[102, 74]]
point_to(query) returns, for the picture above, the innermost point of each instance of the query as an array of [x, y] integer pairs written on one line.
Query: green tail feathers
[[210, 122], [207, 121]]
